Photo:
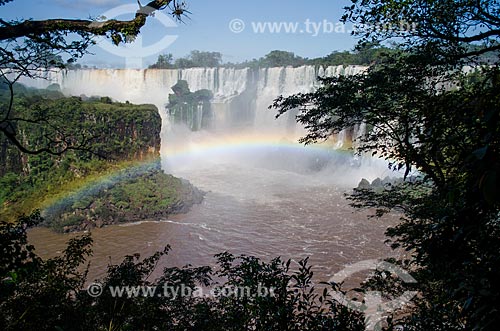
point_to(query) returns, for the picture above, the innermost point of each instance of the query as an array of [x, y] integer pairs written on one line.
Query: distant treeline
[[365, 55], [362, 56]]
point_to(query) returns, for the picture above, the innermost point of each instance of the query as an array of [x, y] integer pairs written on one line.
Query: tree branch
[[12, 138], [131, 27]]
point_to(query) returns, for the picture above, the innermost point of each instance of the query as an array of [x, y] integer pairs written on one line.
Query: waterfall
[[241, 96]]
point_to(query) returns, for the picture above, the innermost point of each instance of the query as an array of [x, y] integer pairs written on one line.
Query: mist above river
[[188, 153]]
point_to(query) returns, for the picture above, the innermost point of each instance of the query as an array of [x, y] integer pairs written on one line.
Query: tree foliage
[[38, 294], [439, 120], [363, 55], [29, 47], [195, 59], [165, 61], [281, 58], [449, 27], [116, 134]]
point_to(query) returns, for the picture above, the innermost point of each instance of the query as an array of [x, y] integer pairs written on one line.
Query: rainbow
[[206, 145], [95, 183], [200, 147]]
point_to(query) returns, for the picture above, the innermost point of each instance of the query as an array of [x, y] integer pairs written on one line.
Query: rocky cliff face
[[114, 179], [115, 131]]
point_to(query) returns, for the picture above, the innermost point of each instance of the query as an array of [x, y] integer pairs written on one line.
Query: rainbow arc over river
[[204, 147]]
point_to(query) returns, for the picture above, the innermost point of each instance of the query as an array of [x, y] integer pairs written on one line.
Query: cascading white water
[[241, 96]]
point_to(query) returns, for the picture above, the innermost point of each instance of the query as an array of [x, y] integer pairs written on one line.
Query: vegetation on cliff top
[[122, 136], [364, 55], [128, 195]]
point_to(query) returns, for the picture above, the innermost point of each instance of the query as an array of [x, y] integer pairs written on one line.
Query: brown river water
[[265, 210]]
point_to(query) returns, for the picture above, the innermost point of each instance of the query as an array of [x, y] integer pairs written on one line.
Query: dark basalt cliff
[[115, 179]]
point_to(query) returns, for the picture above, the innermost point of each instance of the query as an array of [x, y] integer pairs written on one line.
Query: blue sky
[[208, 27]]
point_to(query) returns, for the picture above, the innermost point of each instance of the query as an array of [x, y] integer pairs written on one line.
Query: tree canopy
[[448, 28], [27, 46], [38, 294], [363, 55], [194, 59], [432, 115]]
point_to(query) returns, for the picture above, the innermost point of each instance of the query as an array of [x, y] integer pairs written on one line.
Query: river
[[262, 201]]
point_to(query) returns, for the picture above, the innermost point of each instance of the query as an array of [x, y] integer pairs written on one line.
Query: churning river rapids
[[261, 201]]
